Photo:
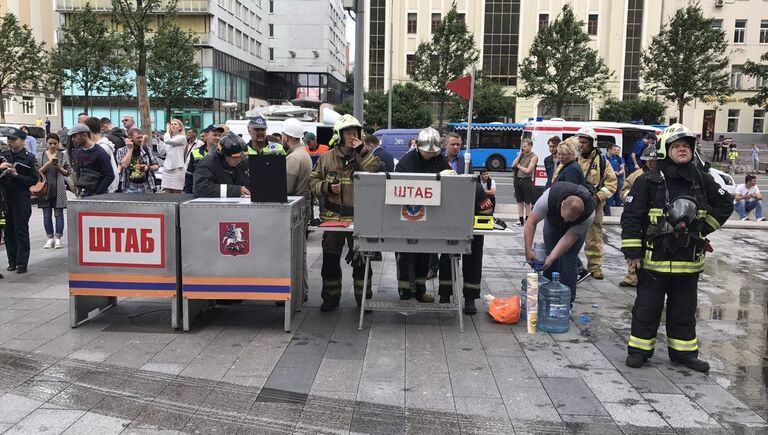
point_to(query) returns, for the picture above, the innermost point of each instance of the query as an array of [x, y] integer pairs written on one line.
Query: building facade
[[250, 53], [33, 107]]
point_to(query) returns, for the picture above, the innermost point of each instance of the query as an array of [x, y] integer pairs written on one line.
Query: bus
[[494, 145]]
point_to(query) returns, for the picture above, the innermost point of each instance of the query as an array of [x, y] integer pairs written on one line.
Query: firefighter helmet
[[651, 153], [231, 145], [344, 122], [672, 134], [589, 133], [428, 140]]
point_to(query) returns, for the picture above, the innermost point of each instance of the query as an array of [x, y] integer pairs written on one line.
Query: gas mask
[[682, 212]]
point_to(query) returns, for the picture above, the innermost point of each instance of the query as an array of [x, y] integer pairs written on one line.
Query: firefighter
[[331, 180], [649, 160], [667, 216], [222, 174], [257, 129], [601, 183]]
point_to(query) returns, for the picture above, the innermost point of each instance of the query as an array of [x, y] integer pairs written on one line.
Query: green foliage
[[410, 108], [758, 70], [446, 57], [561, 67], [687, 60], [22, 59], [648, 110], [87, 57], [349, 86], [491, 104], [346, 106], [173, 76]]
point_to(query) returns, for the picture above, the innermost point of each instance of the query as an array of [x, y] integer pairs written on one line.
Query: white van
[[323, 132]]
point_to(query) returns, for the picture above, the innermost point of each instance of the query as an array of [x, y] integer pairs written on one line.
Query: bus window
[[499, 139], [604, 141]]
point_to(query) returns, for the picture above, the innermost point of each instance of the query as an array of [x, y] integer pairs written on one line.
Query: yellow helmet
[[674, 133], [344, 122]]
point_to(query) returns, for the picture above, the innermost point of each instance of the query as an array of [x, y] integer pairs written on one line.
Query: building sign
[[121, 239], [412, 192]]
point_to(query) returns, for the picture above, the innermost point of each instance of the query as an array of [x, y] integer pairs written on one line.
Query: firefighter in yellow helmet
[[331, 181], [667, 216]]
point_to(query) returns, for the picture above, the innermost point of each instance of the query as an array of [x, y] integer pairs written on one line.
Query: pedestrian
[[19, 173], [95, 125], [193, 143], [489, 185], [332, 180], [81, 117], [106, 126], [567, 210], [755, 158], [568, 168], [259, 143], [637, 151], [54, 168], [550, 161], [748, 198], [601, 182], [724, 146], [47, 124], [733, 158], [29, 142], [716, 145], [452, 147], [373, 145], [93, 163], [523, 168], [222, 174], [128, 123], [137, 165], [173, 166], [314, 148], [667, 217], [212, 135], [618, 165]]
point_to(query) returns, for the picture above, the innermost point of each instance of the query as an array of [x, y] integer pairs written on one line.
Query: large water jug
[[554, 313]]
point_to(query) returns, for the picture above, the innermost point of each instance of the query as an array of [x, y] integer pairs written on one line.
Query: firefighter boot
[[636, 360], [693, 364]]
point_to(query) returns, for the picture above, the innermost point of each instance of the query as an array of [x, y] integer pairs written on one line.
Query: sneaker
[[426, 298], [329, 306], [762, 219], [48, 244], [57, 244], [598, 274], [693, 364], [469, 306], [584, 274], [499, 224], [636, 360], [745, 219]]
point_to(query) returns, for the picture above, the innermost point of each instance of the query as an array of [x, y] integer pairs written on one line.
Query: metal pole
[[467, 154], [359, 58], [391, 52]]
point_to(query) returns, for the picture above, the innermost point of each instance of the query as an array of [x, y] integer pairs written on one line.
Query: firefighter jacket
[[630, 181], [413, 162], [213, 172], [645, 231], [336, 165], [600, 177]]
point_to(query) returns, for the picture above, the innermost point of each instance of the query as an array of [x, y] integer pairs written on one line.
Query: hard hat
[[428, 140], [344, 122], [672, 134], [650, 153], [292, 127], [448, 172], [231, 145], [683, 209], [587, 132]]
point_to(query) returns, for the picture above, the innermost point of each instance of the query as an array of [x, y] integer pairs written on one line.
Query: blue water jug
[[524, 294], [554, 313]]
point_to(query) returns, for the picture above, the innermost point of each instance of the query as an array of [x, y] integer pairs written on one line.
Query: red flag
[[461, 87]]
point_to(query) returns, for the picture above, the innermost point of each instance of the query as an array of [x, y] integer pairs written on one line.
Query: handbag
[[88, 179], [40, 188]]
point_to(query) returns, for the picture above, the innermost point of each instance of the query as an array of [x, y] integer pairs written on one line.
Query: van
[[396, 141], [323, 132]]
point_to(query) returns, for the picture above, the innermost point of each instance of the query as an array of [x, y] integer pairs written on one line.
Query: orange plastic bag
[[505, 310]]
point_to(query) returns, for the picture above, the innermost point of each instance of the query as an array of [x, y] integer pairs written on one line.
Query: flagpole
[[467, 154]]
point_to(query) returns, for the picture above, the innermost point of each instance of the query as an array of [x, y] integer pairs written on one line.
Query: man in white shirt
[[748, 198]]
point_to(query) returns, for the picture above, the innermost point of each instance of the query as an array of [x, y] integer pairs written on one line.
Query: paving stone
[[271, 417], [372, 418], [610, 386], [511, 373], [46, 421], [429, 391], [546, 357], [591, 424], [99, 424], [13, 408], [338, 375], [721, 404], [530, 404], [635, 414], [429, 422], [76, 397], [470, 380], [651, 380], [135, 355], [382, 393], [500, 344], [324, 415], [203, 423], [572, 396], [680, 411]]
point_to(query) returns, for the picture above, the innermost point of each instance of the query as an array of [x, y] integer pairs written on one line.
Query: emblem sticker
[[234, 238], [413, 213]]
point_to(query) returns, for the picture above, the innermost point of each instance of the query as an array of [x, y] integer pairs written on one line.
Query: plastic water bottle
[[541, 253], [524, 294], [554, 313]]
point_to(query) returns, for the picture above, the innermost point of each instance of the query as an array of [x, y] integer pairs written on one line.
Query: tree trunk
[[86, 99], [559, 109], [680, 111], [141, 93], [440, 115]]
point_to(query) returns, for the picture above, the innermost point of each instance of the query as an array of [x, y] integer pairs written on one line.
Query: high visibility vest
[[271, 148]]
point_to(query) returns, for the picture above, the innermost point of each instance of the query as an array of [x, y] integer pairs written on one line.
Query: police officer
[[331, 180], [601, 182], [667, 216], [18, 172], [223, 174], [210, 136], [257, 129]]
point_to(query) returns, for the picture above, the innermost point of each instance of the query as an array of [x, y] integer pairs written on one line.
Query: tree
[[561, 67], [758, 70], [687, 60], [173, 76], [446, 57], [22, 58], [410, 108], [346, 106], [134, 16], [86, 57], [349, 85], [491, 104], [646, 109]]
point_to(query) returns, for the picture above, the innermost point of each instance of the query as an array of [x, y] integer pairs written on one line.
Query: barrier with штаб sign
[[412, 192]]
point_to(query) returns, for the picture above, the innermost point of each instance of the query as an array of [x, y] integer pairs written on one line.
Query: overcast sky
[[351, 38]]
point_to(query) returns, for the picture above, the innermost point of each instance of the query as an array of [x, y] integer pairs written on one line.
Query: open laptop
[[268, 178]]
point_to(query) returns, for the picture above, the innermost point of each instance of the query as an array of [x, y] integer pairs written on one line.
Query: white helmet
[[428, 140], [587, 132], [292, 127]]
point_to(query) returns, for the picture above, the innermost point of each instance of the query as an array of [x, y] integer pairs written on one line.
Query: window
[[271, 6], [592, 25], [717, 24], [376, 41], [764, 31], [500, 40], [411, 23], [50, 107], [737, 72], [758, 124], [632, 49], [256, 48], [733, 121], [238, 38], [461, 17], [246, 42], [760, 82], [543, 21], [271, 30], [28, 105], [740, 31], [271, 52], [7, 106], [410, 63], [230, 34], [435, 22], [222, 30]]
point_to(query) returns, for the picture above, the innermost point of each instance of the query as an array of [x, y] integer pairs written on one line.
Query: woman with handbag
[[52, 195], [173, 166]]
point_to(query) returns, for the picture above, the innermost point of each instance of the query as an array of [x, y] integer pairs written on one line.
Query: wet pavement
[[127, 372]]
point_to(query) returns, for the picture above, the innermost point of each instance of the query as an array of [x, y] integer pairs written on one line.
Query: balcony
[[183, 7]]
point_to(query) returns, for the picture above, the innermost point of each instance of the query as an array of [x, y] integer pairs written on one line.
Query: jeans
[[756, 165], [48, 222], [744, 207], [135, 188], [567, 264]]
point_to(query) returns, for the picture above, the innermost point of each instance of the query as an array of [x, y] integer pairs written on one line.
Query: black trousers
[[17, 230], [412, 266], [333, 245], [681, 291], [471, 268]]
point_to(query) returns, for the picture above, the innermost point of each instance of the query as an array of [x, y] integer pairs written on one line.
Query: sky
[[351, 38]]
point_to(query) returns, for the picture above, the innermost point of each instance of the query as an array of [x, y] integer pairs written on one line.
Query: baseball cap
[[15, 133], [309, 136], [214, 127], [79, 128], [257, 122]]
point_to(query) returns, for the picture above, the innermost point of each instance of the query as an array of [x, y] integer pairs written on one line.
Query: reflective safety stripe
[[591, 252], [342, 180], [446, 283], [642, 343], [407, 285], [654, 214], [712, 222], [672, 266], [368, 160], [683, 345], [631, 243], [472, 286]]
